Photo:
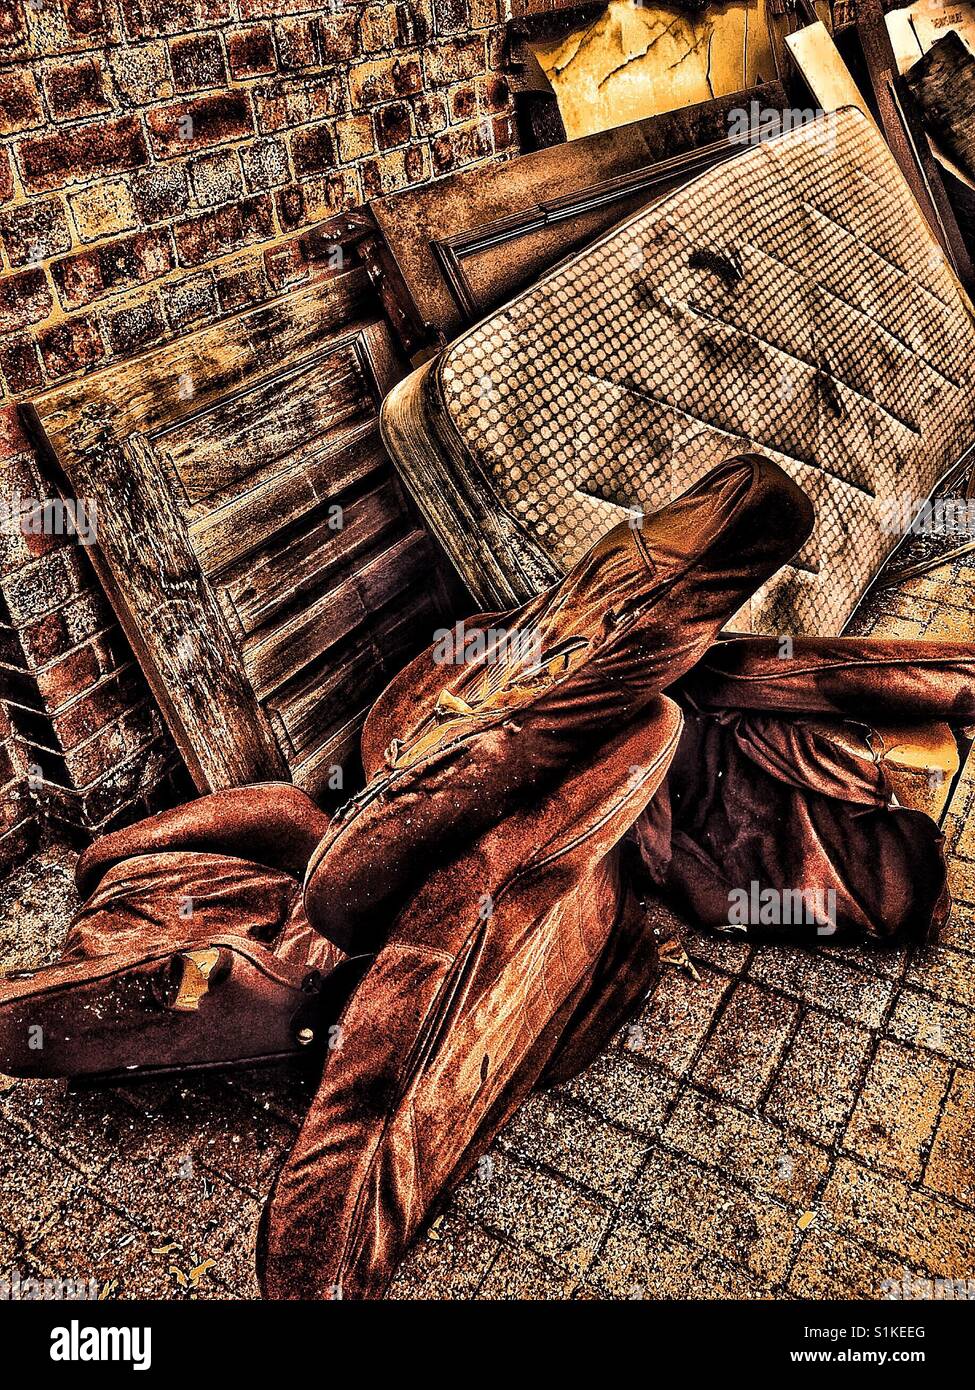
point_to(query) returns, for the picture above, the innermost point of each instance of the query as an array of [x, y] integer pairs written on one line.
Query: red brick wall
[[159, 160]]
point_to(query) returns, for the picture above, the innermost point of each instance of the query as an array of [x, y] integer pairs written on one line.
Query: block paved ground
[[795, 1123]]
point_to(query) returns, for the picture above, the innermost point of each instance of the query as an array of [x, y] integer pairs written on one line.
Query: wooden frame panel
[[251, 533]]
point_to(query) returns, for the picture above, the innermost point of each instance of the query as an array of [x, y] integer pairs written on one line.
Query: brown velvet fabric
[[483, 861]]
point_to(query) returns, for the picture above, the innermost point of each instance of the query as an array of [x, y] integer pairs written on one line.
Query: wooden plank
[[364, 666], [276, 657], [244, 523], [298, 566], [262, 430]]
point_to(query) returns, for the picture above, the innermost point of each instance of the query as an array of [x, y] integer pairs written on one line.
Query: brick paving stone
[[830, 984], [725, 952], [817, 1084], [88, 1128], [740, 1055], [951, 1166], [936, 1024], [451, 1265], [535, 1209], [584, 1150], [88, 1239], [925, 1231], [897, 1111], [714, 1278], [705, 1208], [831, 1266], [959, 931], [34, 1182], [625, 1091], [640, 1264], [521, 1274], [676, 1018], [946, 973], [746, 1147]]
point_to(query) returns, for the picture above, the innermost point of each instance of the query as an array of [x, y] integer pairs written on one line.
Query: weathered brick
[[201, 238], [951, 1165], [741, 1054], [493, 92], [82, 152], [190, 301], [924, 1230], [286, 264], [676, 1018], [141, 72], [250, 51], [463, 102], [296, 43], [355, 137], [430, 113], [458, 147], [13, 27], [197, 62], [6, 177], [301, 203], [829, 1266], [161, 192], [135, 327], [377, 28], [450, 16], [943, 1027], [383, 79], [818, 1083], [216, 178], [75, 89], [545, 1213], [182, 127], [88, 17], [746, 1147], [25, 298], [20, 102], [455, 59], [898, 1108], [265, 164], [102, 210], [242, 284], [130, 260], [70, 347], [312, 151], [397, 169], [820, 980], [702, 1207], [20, 364], [412, 24], [34, 231], [393, 125]]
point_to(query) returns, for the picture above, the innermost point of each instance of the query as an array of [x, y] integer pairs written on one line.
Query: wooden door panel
[[251, 533]]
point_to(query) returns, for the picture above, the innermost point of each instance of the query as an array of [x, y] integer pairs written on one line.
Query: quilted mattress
[[790, 301]]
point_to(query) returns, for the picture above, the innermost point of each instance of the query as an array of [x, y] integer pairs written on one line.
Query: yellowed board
[[825, 73], [640, 60]]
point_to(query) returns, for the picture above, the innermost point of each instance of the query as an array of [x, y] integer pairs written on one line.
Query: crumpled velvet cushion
[[483, 863]]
